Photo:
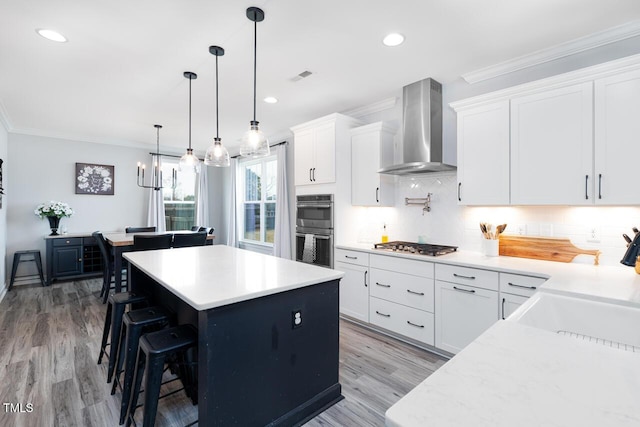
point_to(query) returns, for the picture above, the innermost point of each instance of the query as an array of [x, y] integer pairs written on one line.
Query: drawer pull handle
[[382, 314], [365, 278], [464, 277], [470, 291], [351, 257], [383, 285], [413, 324], [521, 286], [415, 293], [503, 301]]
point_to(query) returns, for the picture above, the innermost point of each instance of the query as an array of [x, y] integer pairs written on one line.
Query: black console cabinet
[[72, 257]]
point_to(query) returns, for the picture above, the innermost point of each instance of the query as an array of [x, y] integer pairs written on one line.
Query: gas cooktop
[[415, 248]]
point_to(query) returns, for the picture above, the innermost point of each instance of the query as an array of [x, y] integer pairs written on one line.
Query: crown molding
[[601, 38], [368, 109]]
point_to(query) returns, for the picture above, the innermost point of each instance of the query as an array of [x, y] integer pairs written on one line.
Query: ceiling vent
[[301, 76]]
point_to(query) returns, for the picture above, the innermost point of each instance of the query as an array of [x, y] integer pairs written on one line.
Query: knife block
[[630, 256]]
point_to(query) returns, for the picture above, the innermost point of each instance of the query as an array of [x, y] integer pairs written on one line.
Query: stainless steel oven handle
[[315, 236], [313, 205]]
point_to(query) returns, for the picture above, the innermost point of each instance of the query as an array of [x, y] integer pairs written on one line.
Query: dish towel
[[309, 249]]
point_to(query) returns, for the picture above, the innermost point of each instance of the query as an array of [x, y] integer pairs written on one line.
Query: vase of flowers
[[53, 211]]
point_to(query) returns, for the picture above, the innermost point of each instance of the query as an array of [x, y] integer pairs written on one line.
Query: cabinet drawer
[[468, 276], [518, 284], [352, 257], [407, 321], [405, 289], [408, 266], [71, 241]]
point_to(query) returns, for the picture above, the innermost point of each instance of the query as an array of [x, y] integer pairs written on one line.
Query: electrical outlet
[[296, 319], [522, 230], [593, 234]]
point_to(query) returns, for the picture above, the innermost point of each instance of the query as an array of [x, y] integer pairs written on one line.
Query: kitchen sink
[[599, 322]]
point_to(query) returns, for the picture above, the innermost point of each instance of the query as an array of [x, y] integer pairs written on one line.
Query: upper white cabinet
[[551, 147], [617, 143], [371, 149], [315, 148], [483, 155]]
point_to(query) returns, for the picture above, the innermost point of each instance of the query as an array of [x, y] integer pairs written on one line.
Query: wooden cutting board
[[545, 248]]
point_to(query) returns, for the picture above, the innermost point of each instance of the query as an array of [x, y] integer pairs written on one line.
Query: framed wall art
[[94, 179]]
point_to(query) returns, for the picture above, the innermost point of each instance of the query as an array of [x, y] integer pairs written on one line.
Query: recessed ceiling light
[[270, 100], [51, 35], [393, 39]]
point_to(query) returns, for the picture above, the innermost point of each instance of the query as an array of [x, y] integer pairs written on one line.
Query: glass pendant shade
[[254, 142], [217, 155], [189, 162]]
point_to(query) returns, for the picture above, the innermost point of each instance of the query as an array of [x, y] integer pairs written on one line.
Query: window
[[257, 194], [179, 202]]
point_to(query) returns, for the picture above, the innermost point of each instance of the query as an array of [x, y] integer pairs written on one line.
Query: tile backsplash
[[447, 223]]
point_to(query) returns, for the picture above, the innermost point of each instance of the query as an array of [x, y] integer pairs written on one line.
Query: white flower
[[53, 208]]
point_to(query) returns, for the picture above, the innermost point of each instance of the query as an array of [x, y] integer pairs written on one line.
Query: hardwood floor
[[50, 339]]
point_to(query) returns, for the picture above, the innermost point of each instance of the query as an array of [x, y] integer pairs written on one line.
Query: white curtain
[[156, 217], [232, 226], [202, 198], [282, 238]]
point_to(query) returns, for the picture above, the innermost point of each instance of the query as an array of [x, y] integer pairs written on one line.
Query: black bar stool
[[18, 258], [116, 305], [135, 322], [155, 349]]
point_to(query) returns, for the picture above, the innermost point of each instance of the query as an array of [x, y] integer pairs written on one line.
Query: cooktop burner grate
[[415, 248]]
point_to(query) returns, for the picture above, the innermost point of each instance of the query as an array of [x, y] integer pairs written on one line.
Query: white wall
[[40, 169], [448, 223], [4, 280]]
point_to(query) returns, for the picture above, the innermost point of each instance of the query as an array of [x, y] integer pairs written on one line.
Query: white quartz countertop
[[516, 375], [613, 283], [212, 276]]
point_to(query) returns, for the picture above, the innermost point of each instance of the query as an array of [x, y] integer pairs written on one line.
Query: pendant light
[[216, 154], [189, 162], [156, 173], [254, 142]]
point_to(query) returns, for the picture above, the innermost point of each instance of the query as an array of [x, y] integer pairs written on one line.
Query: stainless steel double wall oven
[[314, 229]]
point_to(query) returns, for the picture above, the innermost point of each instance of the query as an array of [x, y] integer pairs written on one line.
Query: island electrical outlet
[[296, 319]]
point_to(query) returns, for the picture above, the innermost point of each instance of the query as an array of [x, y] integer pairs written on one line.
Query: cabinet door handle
[[586, 187], [459, 185], [464, 277], [377, 193], [599, 186], [314, 174], [414, 324], [382, 314], [521, 286], [310, 178], [503, 300], [470, 291], [351, 257], [383, 285], [415, 293], [365, 279]]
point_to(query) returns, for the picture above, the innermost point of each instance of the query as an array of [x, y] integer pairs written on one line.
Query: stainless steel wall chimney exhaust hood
[[421, 130]]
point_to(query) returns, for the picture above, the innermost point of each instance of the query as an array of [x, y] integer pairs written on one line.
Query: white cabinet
[[354, 286], [552, 147], [462, 311], [401, 297], [515, 289], [483, 155], [371, 149], [617, 144], [315, 148]]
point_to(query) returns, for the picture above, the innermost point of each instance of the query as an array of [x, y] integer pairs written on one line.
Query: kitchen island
[[257, 364]]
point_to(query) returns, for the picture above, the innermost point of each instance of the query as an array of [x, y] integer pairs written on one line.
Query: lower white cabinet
[[510, 303], [354, 286], [515, 289], [462, 314], [410, 322]]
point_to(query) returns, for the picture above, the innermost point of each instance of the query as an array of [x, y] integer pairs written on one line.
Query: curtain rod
[[274, 145]]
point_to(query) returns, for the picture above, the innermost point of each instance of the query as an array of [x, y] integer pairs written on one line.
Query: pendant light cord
[[255, 60], [217, 120], [190, 78]]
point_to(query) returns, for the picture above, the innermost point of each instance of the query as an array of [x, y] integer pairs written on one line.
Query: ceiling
[[122, 69]]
